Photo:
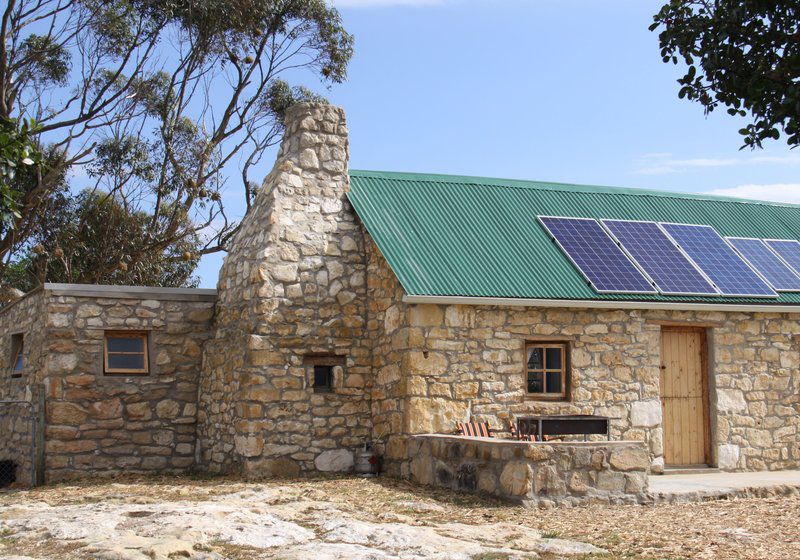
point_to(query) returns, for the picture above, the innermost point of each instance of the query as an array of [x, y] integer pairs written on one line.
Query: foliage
[[17, 151], [160, 104], [741, 54], [92, 239]]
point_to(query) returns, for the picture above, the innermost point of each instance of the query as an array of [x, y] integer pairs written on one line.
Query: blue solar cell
[[597, 256], [770, 265], [731, 275], [660, 258], [788, 250]]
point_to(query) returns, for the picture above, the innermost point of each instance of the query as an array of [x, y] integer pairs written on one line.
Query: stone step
[[693, 469]]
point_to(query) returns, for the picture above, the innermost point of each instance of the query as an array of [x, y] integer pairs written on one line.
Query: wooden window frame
[[144, 335], [564, 370], [17, 349]]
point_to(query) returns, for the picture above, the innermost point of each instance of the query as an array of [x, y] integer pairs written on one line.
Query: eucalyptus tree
[[160, 105]]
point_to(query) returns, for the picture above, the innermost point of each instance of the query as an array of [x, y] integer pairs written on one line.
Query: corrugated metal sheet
[[466, 236]]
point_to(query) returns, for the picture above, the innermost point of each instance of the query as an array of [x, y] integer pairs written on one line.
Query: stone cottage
[[357, 305]]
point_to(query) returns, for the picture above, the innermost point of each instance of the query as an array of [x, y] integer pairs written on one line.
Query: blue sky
[[557, 90]]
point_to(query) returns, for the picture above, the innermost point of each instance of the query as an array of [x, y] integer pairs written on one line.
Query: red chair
[[475, 429]]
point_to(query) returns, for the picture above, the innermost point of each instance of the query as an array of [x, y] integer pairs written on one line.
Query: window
[[16, 359], [323, 368], [323, 379], [546, 368], [126, 352]]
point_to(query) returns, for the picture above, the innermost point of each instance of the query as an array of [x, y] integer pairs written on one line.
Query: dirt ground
[[752, 529]]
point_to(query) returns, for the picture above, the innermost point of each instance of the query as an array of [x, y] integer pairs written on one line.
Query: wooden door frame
[[703, 331]]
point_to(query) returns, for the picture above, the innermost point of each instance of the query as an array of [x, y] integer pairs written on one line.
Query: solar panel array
[[788, 250], [637, 257], [604, 265], [648, 245], [730, 274], [774, 270]]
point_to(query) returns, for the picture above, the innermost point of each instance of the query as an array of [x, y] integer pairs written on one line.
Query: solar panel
[[769, 264], [596, 256], [731, 275], [788, 250], [648, 245]]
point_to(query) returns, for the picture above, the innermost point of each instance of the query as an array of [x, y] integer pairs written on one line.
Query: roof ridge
[[553, 186]]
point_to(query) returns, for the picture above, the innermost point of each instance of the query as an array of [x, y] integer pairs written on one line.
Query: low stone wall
[[19, 390], [104, 425], [532, 473]]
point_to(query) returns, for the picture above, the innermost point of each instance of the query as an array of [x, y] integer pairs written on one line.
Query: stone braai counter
[[532, 473]]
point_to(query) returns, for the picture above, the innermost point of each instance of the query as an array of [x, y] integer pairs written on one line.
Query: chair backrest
[[516, 435], [475, 429]]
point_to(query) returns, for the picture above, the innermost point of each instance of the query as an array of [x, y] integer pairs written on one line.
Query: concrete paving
[[722, 484]]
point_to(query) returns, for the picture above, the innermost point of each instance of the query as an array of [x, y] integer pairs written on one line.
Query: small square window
[[126, 353], [323, 375], [16, 359], [323, 379], [546, 370]]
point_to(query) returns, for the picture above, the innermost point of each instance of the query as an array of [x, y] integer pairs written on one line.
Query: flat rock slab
[[271, 524], [686, 487]]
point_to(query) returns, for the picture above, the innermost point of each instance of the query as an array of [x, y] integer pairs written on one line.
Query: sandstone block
[[66, 413], [630, 459], [731, 400], [434, 415], [308, 159], [282, 467], [168, 409], [106, 409], [334, 460], [285, 272], [424, 315], [487, 482], [249, 446], [416, 362], [459, 316], [646, 413], [138, 411], [516, 478]]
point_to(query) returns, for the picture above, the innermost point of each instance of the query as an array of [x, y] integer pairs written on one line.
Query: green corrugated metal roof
[[448, 235]]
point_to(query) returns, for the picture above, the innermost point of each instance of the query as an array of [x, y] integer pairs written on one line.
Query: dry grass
[[742, 529]]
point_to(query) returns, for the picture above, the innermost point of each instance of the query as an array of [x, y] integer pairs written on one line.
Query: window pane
[[126, 361], [322, 376], [18, 362], [125, 344], [535, 357], [554, 358], [535, 382], [553, 382]]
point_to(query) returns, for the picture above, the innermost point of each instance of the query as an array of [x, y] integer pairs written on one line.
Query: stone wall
[[102, 424], [532, 473], [292, 290], [458, 362], [16, 427], [390, 385]]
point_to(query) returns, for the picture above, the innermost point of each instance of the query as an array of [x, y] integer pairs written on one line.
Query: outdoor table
[[568, 425]]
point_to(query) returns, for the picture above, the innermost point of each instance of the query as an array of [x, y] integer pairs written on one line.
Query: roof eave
[[602, 304]]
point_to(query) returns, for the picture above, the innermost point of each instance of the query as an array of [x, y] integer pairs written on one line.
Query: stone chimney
[[292, 297]]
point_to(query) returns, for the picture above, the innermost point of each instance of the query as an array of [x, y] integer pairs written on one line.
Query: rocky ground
[[347, 518]]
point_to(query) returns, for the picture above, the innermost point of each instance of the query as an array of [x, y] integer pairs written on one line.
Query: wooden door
[[684, 396]]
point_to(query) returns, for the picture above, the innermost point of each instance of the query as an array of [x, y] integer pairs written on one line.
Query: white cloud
[[383, 3], [663, 163], [778, 192]]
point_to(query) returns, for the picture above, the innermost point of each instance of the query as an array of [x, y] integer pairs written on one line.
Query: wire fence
[[18, 458]]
